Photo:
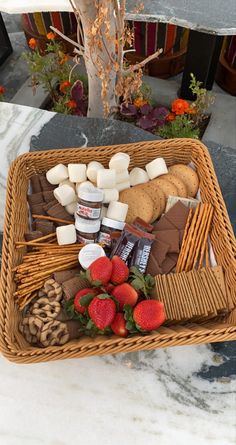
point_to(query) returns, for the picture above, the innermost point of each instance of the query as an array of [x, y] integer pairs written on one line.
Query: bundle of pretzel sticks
[[44, 258], [194, 248]]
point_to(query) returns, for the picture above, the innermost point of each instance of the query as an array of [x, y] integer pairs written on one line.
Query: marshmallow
[[66, 234], [123, 186], [117, 210], [110, 195], [67, 182], [57, 174], [138, 176], [71, 208], [119, 161], [64, 194], [106, 178], [103, 212], [77, 172], [122, 176], [156, 168], [92, 170], [83, 185]]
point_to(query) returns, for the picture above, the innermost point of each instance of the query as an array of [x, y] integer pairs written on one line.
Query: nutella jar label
[[83, 240], [88, 212], [105, 238]]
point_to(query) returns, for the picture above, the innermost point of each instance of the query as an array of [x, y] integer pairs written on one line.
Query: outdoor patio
[[184, 395]]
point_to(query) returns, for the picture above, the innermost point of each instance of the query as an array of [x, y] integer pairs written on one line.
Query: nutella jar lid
[[87, 225], [91, 194], [112, 223], [89, 254]]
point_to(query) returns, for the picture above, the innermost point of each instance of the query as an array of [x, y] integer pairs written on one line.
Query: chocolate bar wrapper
[[141, 253]]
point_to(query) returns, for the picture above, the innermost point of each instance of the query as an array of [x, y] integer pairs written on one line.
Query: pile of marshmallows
[[110, 180]]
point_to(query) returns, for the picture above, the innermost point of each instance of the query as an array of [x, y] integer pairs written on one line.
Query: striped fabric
[[148, 37], [230, 52], [39, 23]]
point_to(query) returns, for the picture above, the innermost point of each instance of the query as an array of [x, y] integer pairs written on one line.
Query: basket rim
[[219, 333]]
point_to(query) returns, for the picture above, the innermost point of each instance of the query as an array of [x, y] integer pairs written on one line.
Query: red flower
[[170, 117], [32, 43], [179, 106], [71, 104], [51, 35], [64, 59], [64, 86], [2, 89]]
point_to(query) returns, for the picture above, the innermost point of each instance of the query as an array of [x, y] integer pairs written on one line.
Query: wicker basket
[[13, 345]]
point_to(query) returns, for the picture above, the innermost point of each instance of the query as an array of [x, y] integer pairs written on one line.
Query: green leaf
[[137, 283], [86, 299], [128, 312], [103, 296], [90, 324]]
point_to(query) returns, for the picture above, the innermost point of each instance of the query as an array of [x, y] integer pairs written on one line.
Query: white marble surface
[[145, 398], [17, 124], [152, 397], [213, 16]]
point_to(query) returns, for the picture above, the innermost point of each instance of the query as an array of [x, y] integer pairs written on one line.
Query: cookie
[[140, 204], [179, 184], [166, 186], [156, 195], [188, 176]]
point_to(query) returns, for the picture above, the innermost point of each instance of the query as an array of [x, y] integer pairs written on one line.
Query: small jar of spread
[[87, 231], [108, 226], [89, 205]]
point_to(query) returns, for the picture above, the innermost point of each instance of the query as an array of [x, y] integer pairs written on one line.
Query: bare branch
[[67, 38], [143, 63]]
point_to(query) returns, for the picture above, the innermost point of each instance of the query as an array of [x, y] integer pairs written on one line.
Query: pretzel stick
[[207, 255], [51, 218], [205, 238], [188, 223], [42, 238]]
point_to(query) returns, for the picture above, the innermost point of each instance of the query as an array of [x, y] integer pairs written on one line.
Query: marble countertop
[[211, 16], [182, 395]]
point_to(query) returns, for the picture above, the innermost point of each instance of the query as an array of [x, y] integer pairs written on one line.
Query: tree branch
[[139, 65], [81, 48]]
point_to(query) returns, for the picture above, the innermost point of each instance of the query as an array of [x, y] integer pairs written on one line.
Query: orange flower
[[170, 117], [71, 104], [191, 110], [51, 35], [2, 89], [64, 85], [179, 106], [64, 59], [32, 43], [139, 102]]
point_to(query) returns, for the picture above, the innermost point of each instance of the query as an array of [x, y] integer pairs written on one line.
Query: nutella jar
[[108, 226], [89, 205], [87, 230]]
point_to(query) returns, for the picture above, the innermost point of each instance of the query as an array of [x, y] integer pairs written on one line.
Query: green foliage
[[141, 282], [181, 127], [203, 97], [50, 70]]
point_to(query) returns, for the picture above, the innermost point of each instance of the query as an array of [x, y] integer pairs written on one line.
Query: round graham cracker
[[188, 176], [166, 186], [140, 204], [158, 197], [178, 183]]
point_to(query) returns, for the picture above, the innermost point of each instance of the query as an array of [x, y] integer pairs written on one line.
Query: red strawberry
[[119, 325], [149, 314], [79, 295], [99, 272], [120, 270], [109, 288], [125, 294], [102, 311]]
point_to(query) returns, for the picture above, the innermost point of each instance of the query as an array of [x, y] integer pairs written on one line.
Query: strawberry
[[79, 295], [109, 288], [120, 271], [119, 325], [125, 294], [149, 315], [99, 272], [102, 311]]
